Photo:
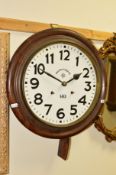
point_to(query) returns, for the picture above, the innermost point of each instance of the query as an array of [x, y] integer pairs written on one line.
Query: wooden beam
[[30, 26]]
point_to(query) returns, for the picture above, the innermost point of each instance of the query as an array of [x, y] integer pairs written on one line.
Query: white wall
[[90, 153]]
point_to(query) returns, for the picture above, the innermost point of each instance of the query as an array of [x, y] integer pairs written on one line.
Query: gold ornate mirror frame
[[4, 138], [106, 122]]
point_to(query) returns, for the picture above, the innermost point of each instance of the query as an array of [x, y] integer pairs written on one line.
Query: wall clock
[[56, 83]]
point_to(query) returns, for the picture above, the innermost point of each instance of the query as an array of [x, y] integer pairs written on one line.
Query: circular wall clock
[[56, 83]]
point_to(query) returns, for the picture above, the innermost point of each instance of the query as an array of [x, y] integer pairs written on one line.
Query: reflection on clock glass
[[60, 84]]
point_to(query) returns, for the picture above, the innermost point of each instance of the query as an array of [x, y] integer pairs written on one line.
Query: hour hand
[[75, 77]]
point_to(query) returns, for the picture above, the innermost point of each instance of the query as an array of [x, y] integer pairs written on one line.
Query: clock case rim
[[14, 83]]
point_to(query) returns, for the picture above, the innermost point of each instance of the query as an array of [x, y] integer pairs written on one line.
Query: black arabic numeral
[[34, 82], [49, 58], [60, 113], [38, 99], [49, 108], [88, 88], [73, 109], [39, 68], [64, 55], [86, 71], [77, 61], [82, 100]]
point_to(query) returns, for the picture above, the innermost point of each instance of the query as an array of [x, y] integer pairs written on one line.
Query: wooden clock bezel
[[14, 90]]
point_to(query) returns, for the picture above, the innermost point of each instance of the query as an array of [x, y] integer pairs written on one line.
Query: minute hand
[[50, 75]]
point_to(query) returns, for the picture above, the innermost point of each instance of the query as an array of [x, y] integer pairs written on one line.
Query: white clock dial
[[60, 84]]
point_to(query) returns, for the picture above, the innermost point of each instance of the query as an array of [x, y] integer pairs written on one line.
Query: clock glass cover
[[56, 83], [60, 84]]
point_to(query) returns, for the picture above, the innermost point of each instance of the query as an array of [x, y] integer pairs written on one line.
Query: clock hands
[[52, 76], [64, 83], [75, 77]]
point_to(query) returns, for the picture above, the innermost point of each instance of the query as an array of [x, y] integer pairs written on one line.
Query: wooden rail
[[30, 26]]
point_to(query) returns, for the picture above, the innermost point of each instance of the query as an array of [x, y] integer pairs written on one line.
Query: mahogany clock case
[[15, 74]]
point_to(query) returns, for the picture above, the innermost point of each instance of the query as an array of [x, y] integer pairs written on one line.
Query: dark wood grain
[[64, 147]]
